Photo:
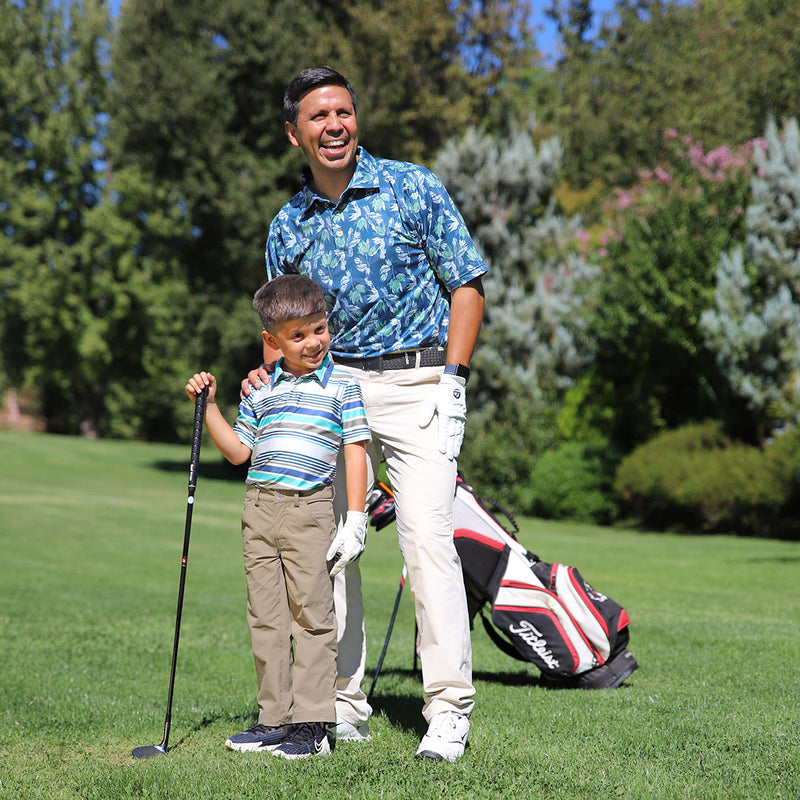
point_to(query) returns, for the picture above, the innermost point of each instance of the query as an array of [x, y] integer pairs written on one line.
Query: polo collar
[[321, 374], [365, 179]]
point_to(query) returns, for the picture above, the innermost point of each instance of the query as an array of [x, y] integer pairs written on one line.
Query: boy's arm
[[348, 544], [222, 434], [355, 465]]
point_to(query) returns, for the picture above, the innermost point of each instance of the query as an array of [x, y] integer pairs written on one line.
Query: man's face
[[326, 129]]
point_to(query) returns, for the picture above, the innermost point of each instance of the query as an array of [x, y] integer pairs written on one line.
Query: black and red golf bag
[[539, 612]]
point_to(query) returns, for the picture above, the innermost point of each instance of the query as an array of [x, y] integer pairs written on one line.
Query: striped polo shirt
[[295, 426]]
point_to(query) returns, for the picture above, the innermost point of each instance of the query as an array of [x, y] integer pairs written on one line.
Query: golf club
[[150, 750], [389, 632]]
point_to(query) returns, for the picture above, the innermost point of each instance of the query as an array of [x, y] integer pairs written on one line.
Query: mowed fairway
[[91, 534]]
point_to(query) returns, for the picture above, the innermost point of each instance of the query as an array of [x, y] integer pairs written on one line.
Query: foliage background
[[635, 198], [88, 581]]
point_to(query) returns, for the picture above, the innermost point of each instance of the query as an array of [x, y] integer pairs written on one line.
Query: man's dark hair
[[309, 79], [288, 297]]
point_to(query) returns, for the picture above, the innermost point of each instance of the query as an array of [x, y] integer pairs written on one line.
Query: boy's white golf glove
[[450, 403], [348, 544]]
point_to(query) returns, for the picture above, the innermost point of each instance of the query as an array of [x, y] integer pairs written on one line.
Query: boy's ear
[[270, 339]]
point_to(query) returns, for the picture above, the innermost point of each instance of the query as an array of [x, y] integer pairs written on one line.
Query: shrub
[[575, 481], [498, 458], [696, 478]]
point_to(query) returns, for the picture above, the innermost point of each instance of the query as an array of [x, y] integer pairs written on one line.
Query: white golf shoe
[[446, 737], [347, 732]]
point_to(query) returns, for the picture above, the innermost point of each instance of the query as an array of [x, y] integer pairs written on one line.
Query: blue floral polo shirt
[[387, 255]]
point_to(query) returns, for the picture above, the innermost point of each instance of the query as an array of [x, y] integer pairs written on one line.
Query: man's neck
[[331, 185]]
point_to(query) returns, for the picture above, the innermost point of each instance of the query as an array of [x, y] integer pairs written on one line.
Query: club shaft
[[388, 632], [197, 435]]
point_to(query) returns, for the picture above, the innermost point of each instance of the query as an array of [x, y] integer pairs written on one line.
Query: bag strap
[[485, 502], [499, 640]]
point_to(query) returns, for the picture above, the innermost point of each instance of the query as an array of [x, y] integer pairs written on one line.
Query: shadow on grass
[[237, 724], [407, 714], [219, 469]]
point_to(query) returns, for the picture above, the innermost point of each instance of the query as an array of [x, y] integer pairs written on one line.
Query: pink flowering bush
[[658, 244]]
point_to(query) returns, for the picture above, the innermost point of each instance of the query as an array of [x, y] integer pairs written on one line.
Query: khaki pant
[[285, 537], [423, 482]]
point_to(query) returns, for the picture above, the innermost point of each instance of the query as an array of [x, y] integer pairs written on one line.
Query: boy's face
[[304, 343]]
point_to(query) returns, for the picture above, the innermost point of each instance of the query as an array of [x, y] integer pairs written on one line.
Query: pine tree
[[92, 311], [533, 341], [531, 344], [754, 327]]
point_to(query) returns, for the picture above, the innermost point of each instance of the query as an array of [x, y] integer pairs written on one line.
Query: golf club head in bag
[[149, 751]]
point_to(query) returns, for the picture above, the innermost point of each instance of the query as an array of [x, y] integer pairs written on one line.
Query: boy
[[292, 429]]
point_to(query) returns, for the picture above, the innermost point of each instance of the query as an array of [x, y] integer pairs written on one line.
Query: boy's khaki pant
[[285, 538], [423, 482]]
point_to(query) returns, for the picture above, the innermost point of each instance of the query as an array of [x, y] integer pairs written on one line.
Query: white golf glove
[[450, 403], [348, 544]]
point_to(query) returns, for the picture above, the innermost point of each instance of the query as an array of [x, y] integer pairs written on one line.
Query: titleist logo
[[533, 637]]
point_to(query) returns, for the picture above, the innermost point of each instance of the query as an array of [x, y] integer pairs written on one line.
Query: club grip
[[197, 436]]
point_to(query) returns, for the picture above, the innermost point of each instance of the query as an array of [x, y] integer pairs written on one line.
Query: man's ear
[[290, 132]]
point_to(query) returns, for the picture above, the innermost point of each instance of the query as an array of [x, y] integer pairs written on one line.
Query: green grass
[[90, 541]]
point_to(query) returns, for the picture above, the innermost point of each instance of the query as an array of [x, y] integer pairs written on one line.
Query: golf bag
[[540, 612]]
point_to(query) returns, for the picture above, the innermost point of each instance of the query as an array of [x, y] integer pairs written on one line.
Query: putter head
[[149, 750]]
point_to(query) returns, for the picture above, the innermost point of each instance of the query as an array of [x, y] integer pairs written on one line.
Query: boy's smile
[[304, 343]]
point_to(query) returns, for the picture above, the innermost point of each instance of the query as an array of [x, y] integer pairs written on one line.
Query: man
[[402, 280]]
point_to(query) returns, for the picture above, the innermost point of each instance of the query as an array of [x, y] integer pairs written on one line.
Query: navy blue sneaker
[[304, 740], [259, 737]]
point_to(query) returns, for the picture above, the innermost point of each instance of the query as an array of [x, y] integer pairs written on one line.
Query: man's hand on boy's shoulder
[[257, 378]]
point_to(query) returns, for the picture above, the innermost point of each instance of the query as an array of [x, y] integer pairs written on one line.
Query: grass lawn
[[91, 534]]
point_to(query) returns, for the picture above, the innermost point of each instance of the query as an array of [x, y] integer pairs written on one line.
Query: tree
[[93, 303], [198, 106], [532, 342], [754, 327], [658, 251], [712, 69], [199, 88]]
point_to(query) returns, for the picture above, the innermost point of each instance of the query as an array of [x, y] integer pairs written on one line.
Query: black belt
[[408, 359]]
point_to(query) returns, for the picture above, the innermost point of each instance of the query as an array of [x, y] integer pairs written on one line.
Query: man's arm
[[466, 314], [449, 401], [258, 377]]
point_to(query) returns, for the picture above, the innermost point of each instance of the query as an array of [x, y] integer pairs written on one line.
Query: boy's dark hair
[[309, 79], [288, 297]]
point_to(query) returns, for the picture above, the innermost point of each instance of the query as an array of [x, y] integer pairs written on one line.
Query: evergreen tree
[[754, 327], [533, 341], [92, 305], [713, 69]]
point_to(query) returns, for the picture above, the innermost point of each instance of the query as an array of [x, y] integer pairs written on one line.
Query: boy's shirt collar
[[321, 374]]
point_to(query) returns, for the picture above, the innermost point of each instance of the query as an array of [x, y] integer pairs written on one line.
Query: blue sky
[[545, 30]]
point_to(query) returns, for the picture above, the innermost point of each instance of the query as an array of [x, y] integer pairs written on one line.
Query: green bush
[[575, 481], [498, 458], [696, 478]]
